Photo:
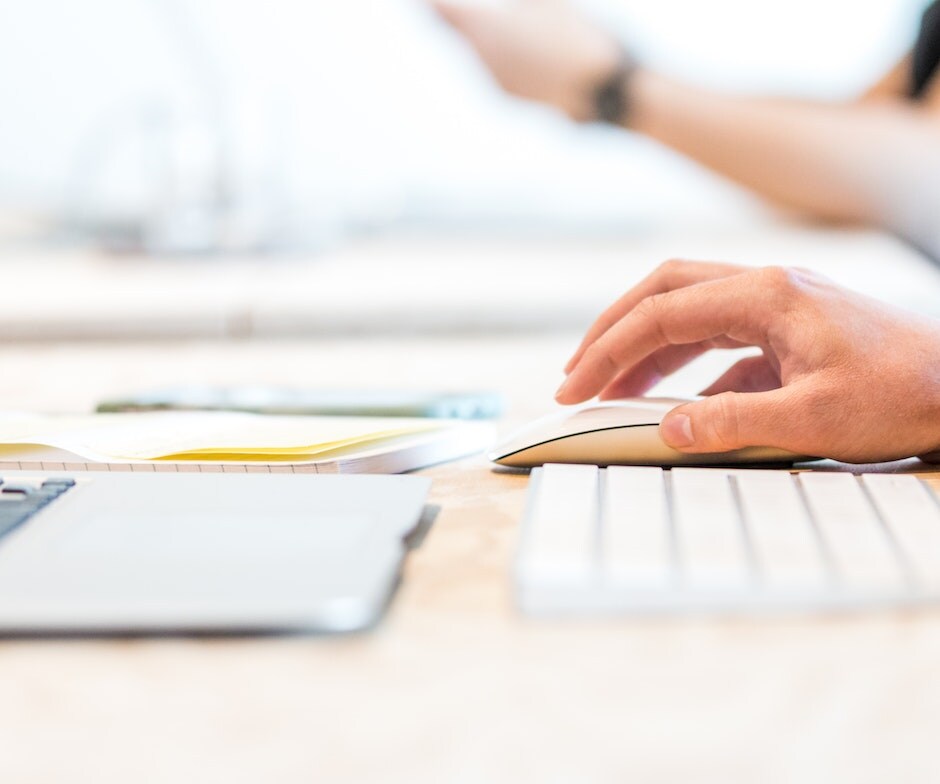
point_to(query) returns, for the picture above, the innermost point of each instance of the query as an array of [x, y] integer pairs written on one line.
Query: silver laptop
[[131, 552]]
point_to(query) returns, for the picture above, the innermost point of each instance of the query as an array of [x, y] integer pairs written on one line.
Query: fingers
[[651, 370], [733, 420], [668, 276], [654, 368], [458, 15], [751, 374], [737, 308], [452, 13]]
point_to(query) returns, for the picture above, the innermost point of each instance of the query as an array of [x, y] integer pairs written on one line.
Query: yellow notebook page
[[197, 435]]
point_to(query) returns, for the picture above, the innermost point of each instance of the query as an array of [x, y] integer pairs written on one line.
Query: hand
[[840, 375], [538, 49]]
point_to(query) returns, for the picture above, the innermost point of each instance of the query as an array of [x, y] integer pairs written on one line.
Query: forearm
[[876, 162]]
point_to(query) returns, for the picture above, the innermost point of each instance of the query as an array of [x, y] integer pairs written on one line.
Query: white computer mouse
[[618, 432]]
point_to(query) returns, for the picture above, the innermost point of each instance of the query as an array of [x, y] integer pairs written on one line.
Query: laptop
[[208, 553]]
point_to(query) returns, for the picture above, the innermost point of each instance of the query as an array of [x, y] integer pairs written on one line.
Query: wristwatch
[[611, 101]]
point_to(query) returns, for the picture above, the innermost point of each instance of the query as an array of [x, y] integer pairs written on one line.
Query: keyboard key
[[59, 482], [857, 542], [783, 539], [636, 534], [711, 547], [913, 518], [17, 490], [561, 535], [21, 500]]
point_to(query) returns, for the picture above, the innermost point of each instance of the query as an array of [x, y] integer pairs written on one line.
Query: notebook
[[233, 442]]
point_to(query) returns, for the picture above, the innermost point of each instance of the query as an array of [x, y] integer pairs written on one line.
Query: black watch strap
[[611, 102]]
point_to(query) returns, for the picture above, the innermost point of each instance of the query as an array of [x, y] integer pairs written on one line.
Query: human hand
[[840, 375], [542, 50]]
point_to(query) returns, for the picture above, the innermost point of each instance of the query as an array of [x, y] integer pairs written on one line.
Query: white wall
[[303, 119]]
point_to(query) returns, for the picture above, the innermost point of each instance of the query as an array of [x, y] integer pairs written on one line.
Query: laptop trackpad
[[213, 535]]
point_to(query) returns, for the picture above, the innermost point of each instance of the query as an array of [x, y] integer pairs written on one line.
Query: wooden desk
[[411, 285], [454, 686]]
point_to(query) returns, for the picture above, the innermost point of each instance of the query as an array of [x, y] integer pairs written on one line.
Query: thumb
[[730, 420]]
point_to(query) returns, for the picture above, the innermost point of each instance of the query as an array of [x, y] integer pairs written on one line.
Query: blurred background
[[189, 126]]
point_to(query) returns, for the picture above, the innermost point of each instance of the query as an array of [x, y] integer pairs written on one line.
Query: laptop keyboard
[[20, 500], [640, 539]]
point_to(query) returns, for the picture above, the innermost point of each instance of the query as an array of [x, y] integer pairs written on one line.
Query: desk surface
[[409, 285], [453, 686]]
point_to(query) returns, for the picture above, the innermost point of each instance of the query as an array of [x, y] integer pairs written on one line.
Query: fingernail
[[561, 389], [677, 431]]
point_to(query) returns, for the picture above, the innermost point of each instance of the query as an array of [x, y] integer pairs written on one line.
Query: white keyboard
[[629, 539]]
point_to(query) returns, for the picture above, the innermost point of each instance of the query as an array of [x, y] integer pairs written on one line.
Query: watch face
[[610, 97]]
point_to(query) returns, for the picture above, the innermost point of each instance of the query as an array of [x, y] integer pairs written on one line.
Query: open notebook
[[223, 441]]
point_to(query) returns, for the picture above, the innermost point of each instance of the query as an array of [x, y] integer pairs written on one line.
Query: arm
[[824, 351], [894, 84], [874, 161]]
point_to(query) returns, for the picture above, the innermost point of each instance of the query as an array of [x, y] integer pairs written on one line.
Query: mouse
[[616, 432]]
